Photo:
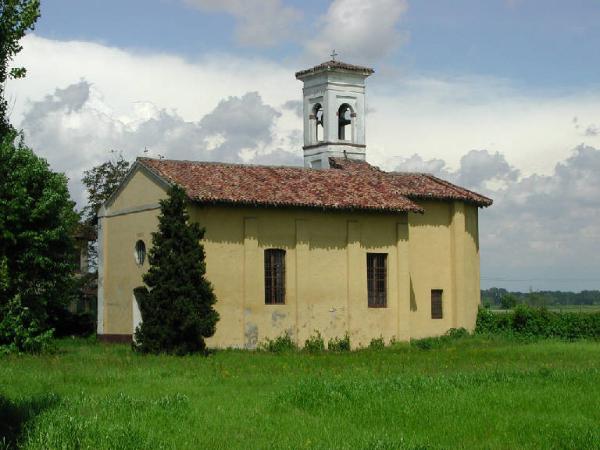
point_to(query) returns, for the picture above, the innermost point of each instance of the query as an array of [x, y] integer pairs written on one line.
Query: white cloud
[[592, 130], [434, 118], [258, 22], [192, 88], [74, 130], [416, 163], [81, 100], [445, 118], [361, 31]]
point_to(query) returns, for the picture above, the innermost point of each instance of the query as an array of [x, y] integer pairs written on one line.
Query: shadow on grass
[[14, 415]]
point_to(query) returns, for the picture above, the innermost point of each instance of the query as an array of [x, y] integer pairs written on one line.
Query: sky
[[501, 96]]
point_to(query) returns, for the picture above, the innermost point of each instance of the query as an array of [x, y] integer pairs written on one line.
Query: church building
[[337, 246]]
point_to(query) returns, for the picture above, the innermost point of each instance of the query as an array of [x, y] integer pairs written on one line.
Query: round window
[[140, 252]]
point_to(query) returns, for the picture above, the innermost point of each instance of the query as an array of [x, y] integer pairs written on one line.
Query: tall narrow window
[[377, 279], [436, 304], [344, 120], [274, 277]]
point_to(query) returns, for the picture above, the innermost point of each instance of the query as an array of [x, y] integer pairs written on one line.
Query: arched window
[[318, 115], [345, 115], [140, 252], [274, 276]]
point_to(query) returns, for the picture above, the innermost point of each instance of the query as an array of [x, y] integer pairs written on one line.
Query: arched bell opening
[[345, 122], [317, 117]]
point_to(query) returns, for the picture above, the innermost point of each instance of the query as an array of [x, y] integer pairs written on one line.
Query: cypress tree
[[177, 302]]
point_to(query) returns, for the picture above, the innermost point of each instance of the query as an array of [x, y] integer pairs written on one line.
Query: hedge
[[539, 322]]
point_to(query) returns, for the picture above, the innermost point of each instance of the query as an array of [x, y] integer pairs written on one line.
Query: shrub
[[21, 330], [489, 322], [539, 322], [280, 344], [315, 343], [456, 333], [339, 344], [377, 343]]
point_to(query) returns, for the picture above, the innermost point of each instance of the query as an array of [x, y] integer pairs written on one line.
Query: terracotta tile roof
[[418, 186], [348, 185], [282, 186], [331, 64], [415, 186]]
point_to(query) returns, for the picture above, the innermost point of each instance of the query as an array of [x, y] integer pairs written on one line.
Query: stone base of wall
[[115, 338]]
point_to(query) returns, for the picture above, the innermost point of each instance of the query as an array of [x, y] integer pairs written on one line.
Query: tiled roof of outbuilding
[[348, 185], [331, 65]]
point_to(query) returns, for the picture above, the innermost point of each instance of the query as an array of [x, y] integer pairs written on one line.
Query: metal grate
[[274, 276], [436, 304], [377, 279], [140, 252]]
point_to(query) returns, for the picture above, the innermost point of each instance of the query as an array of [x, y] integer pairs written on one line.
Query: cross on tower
[[333, 55]]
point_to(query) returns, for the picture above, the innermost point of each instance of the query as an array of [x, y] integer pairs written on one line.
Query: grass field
[[472, 393]]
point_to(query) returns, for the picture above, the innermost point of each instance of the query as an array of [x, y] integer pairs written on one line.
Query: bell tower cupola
[[334, 112]]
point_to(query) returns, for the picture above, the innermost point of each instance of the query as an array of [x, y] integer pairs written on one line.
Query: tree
[[16, 18], [177, 302], [508, 301], [100, 182], [36, 247]]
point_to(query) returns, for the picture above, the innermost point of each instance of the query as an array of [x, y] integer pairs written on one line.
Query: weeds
[[315, 343], [280, 344], [377, 343], [339, 344]]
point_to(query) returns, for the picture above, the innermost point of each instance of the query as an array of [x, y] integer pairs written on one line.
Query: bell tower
[[334, 112]]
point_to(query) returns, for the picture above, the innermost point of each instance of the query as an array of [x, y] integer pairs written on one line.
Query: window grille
[[140, 252], [377, 279], [436, 304], [274, 277]]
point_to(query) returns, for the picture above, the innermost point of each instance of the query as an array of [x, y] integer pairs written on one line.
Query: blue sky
[[537, 44], [501, 96]]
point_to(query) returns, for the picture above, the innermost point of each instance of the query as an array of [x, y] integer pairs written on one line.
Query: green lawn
[[472, 393]]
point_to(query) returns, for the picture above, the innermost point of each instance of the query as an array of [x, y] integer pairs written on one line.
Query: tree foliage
[[100, 182], [494, 297], [36, 247], [177, 304], [508, 301], [16, 18]]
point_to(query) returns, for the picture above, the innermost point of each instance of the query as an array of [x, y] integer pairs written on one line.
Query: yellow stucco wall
[[132, 216], [326, 279]]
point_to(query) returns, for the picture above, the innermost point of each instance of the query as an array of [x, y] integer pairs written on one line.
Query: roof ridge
[[398, 172], [222, 163]]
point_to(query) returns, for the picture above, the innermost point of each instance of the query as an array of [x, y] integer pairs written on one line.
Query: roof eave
[[257, 204]]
